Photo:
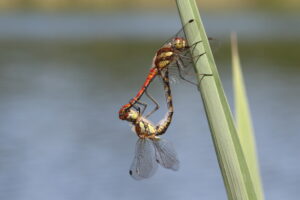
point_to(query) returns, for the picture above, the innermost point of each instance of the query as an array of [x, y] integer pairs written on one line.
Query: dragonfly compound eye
[[123, 113]]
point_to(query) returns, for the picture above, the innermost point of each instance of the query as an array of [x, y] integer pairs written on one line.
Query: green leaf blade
[[232, 162], [243, 118]]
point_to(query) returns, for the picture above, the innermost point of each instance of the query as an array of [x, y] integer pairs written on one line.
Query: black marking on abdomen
[[162, 128]]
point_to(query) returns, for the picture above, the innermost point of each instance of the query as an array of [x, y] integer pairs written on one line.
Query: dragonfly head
[[125, 113], [179, 43]]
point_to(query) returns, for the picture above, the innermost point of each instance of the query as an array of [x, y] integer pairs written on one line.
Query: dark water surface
[[61, 137]]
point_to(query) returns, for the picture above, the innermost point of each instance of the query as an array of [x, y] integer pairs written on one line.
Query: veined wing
[[180, 33], [144, 163], [166, 155]]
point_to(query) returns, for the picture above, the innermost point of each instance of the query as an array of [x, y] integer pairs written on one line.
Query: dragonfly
[[151, 150], [174, 52]]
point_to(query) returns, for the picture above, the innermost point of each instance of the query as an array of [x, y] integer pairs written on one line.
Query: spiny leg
[[142, 104], [193, 46], [191, 57], [154, 101], [199, 56], [203, 75], [181, 66], [138, 109], [188, 49]]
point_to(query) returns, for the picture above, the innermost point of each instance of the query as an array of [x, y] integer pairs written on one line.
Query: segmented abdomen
[[164, 125]]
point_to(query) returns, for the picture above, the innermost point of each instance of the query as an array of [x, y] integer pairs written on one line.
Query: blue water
[[61, 86], [142, 26]]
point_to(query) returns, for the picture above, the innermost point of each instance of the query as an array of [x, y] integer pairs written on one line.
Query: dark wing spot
[[157, 160], [191, 20], [130, 172]]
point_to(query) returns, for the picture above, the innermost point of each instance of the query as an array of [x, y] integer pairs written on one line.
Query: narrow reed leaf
[[232, 162], [243, 118]]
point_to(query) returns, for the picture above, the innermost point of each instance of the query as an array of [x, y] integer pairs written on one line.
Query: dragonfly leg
[[203, 75], [138, 109], [197, 57], [154, 101], [143, 104], [191, 58], [193, 46], [181, 66]]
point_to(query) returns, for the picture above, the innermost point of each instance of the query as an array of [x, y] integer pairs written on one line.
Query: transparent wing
[[180, 33], [166, 155], [144, 163]]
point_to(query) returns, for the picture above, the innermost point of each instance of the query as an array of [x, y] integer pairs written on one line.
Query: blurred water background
[[65, 74]]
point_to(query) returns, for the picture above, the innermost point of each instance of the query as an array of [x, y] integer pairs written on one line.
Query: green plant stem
[[230, 156]]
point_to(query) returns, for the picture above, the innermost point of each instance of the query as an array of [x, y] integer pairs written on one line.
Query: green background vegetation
[[99, 5]]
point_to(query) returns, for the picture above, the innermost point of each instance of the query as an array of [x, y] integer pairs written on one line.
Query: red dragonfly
[[173, 52]]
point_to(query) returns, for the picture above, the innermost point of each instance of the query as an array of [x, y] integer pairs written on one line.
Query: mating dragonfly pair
[[151, 150]]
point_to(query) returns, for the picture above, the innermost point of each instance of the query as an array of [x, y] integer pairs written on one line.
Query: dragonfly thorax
[[144, 128], [167, 54], [164, 57]]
